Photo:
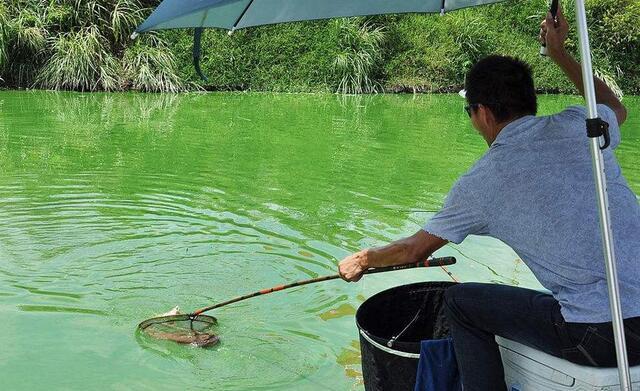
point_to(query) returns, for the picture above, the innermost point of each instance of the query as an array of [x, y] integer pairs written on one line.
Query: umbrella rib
[[204, 17], [177, 15], [242, 15]]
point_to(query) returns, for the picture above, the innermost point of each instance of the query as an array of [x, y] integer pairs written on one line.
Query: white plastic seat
[[528, 369]]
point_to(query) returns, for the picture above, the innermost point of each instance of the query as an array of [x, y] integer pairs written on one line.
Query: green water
[[116, 207]]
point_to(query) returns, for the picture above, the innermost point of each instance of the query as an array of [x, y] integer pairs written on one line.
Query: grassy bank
[[83, 45]]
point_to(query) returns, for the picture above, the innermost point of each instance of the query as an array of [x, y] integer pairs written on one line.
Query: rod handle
[[443, 261], [553, 8]]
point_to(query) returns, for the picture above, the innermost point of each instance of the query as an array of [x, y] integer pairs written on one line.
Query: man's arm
[[554, 35], [412, 249]]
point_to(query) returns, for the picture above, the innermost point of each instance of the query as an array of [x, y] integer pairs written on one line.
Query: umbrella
[[238, 14]]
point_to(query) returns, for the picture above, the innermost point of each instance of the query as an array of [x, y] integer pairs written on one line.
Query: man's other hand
[[553, 34], [352, 267]]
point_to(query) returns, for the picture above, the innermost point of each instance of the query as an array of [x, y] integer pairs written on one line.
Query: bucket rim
[[386, 291], [386, 349]]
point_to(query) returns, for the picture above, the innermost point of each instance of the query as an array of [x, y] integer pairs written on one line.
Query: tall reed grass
[[80, 61], [81, 45], [360, 52], [151, 67]]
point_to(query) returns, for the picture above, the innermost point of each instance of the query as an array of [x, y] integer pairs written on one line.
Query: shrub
[[359, 56], [150, 67], [80, 61], [80, 45]]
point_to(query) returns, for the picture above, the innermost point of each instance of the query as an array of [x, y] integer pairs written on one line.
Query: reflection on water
[[115, 207]]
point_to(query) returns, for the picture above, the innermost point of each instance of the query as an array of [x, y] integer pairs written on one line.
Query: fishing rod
[[197, 329], [427, 263]]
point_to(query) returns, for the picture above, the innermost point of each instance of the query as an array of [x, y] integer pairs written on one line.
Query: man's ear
[[487, 115]]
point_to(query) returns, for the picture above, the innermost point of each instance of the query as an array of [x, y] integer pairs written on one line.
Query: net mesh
[[185, 329]]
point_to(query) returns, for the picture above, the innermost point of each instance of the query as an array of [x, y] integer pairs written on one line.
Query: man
[[533, 189]]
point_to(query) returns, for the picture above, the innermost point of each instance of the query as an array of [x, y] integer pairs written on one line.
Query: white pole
[[603, 202]]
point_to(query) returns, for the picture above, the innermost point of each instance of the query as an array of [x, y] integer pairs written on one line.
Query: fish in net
[[187, 329]]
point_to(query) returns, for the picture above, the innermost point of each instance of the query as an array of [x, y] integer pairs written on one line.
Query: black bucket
[[390, 364]]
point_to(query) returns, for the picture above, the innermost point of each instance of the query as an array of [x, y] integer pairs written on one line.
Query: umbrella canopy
[[238, 14]]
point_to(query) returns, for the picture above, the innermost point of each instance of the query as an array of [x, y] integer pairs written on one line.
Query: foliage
[[81, 45], [23, 38], [360, 54], [80, 61], [432, 53], [124, 18], [289, 57], [616, 38], [4, 31], [84, 45], [150, 67]]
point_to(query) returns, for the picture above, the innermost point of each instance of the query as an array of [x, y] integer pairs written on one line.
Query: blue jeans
[[478, 312]]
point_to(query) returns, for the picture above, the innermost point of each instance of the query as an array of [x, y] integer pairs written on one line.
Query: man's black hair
[[504, 85]]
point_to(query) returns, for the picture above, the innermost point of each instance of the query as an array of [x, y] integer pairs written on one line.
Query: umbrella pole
[[603, 202]]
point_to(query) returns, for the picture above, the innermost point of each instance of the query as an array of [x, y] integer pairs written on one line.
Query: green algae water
[[117, 207]]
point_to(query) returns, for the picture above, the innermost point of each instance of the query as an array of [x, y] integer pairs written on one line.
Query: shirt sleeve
[[462, 215]]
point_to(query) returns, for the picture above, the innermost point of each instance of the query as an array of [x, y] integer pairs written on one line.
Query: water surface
[[116, 207]]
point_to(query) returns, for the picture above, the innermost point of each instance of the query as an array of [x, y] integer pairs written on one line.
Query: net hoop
[[194, 330], [210, 320]]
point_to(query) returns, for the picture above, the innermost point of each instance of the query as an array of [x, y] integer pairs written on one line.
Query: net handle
[[443, 261]]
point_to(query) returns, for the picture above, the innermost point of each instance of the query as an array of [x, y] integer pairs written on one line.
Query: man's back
[[534, 190]]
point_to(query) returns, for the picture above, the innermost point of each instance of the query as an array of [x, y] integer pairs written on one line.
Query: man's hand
[[553, 34], [352, 267], [412, 249]]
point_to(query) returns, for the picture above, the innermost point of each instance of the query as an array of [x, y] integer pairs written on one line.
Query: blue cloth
[[534, 190], [437, 367]]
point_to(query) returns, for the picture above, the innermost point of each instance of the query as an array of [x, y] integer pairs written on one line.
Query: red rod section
[[426, 263]]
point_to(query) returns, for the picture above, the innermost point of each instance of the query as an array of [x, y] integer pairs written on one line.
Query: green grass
[[82, 45], [150, 67], [80, 61], [360, 54]]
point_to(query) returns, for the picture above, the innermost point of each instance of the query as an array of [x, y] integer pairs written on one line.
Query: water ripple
[[125, 205]]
